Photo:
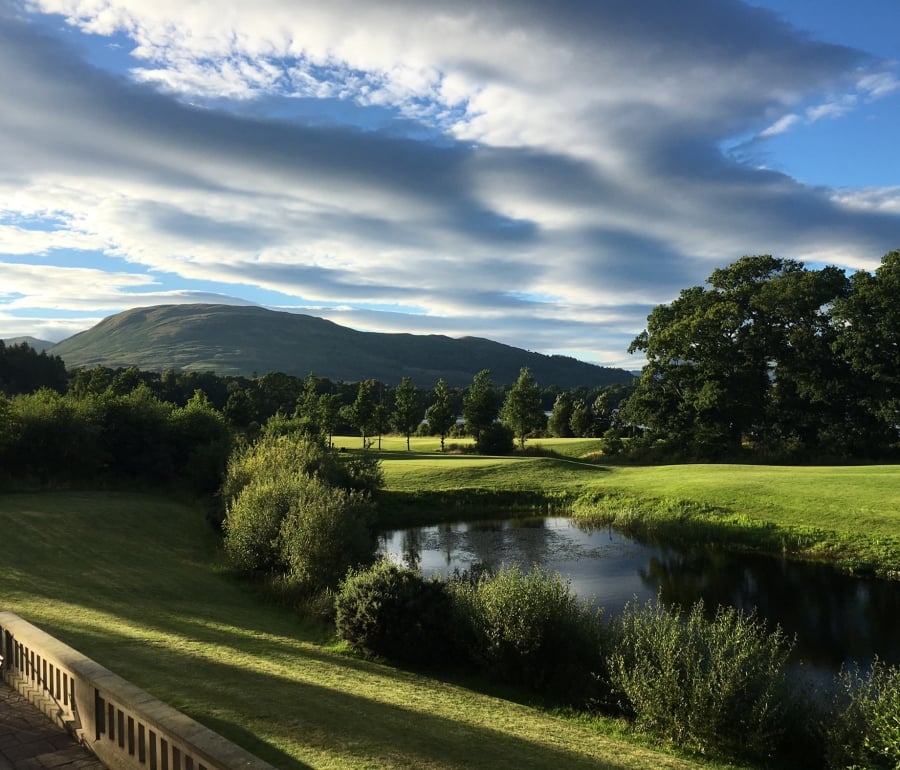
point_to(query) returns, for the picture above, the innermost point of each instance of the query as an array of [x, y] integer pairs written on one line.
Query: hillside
[[34, 342], [241, 340]]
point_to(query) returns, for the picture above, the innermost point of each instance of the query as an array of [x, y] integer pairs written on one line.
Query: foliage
[[325, 531], [558, 423], [480, 404], [393, 612], [864, 730], [496, 439], [407, 409], [714, 686], [774, 358], [297, 454], [24, 370], [439, 414], [254, 517], [522, 412], [361, 413], [530, 630], [294, 506], [200, 443]]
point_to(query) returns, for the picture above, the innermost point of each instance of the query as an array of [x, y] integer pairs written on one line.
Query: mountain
[[243, 340], [34, 342]]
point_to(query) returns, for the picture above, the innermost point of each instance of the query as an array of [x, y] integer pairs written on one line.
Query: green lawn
[[133, 581]]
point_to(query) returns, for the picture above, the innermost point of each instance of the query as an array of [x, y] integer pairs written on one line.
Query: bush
[[395, 613], [864, 730], [712, 686], [529, 630], [297, 454], [326, 531], [496, 440], [253, 521]]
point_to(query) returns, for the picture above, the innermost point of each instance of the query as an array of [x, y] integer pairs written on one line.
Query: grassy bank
[[133, 581], [846, 515]]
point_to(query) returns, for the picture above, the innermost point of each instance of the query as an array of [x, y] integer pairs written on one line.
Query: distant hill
[[242, 340], [34, 342]]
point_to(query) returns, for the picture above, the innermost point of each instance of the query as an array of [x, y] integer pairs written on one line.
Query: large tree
[[747, 361], [522, 411], [869, 339]]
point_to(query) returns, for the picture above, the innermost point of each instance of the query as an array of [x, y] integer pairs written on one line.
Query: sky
[[541, 174]]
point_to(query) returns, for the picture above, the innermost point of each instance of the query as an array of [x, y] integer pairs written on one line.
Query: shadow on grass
[[289, 722], [129, 582]]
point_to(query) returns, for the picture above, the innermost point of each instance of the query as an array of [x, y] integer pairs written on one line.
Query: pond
[[836, 618]]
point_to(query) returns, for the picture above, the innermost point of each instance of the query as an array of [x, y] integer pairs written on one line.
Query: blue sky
[[541, 174]]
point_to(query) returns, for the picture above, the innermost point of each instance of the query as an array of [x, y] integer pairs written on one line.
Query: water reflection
[[836, 618]]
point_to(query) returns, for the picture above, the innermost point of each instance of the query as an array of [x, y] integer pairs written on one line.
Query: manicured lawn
[[134, 582]]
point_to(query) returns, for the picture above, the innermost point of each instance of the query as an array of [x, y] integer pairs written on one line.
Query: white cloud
[[780, 126], [577, 157]]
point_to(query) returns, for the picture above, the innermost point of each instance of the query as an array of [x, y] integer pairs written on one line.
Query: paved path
[[30, 741]]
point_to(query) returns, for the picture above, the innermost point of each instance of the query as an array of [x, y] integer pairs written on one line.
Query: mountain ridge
[[248, 339]]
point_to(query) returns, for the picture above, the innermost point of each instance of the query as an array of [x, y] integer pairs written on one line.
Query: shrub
[[297, 454], [498, 439], [529, 629], [253, 521], [326, 531], [394, 612], [708, 685], [864, 730]]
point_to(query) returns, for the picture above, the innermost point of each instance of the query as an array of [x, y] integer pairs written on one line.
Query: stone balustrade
[[126, 728]]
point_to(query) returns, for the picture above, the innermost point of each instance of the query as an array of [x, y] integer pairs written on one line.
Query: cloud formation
[[542, 174]]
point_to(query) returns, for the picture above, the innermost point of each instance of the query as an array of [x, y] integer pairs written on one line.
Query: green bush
[[395, 613], [327, 530], [253, 521], [498, 439], [530, 630], [864, 730], [298, 454], [712, 686]]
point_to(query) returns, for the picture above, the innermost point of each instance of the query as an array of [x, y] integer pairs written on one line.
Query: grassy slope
[[131, 581]]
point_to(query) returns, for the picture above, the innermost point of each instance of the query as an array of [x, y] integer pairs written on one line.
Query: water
[[837, 619]]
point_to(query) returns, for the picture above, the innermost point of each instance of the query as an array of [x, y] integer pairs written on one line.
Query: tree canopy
[[776, 357]]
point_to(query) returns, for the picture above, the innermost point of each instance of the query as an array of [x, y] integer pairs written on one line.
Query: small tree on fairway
[[480, 404], [407, 409], [361, 413], [522, 411], [440, 415]]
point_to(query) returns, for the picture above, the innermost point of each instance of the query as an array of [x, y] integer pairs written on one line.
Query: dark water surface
[[837, 619]]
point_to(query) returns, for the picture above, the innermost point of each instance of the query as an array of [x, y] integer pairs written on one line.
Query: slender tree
[[480, 404], [361, 413], [522, 411], [407, 409], [439, 414]]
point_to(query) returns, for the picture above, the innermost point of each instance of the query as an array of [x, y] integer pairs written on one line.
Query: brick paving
[[30, 741]]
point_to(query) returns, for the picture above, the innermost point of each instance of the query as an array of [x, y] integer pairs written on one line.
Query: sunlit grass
[[134, 582]]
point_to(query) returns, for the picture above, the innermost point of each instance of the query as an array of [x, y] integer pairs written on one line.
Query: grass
[[846, 515], [134, 582]]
